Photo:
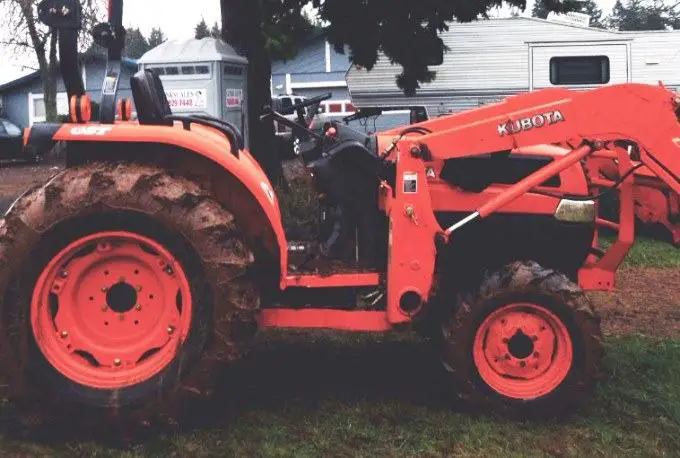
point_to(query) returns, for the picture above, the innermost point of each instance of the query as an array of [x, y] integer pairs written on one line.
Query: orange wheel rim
[[523, 351], [111, 310]]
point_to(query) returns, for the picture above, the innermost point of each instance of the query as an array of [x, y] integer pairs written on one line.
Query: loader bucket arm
[[632, 125], [636, 113]]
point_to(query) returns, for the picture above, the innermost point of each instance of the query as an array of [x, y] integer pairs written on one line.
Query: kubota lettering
[[91, 130], [533, 122]]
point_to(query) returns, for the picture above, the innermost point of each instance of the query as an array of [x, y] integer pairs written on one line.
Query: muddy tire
[[526, 344], [127, 258]]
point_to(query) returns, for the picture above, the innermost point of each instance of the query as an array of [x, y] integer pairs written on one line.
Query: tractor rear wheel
[[526, 344], [121, 287]]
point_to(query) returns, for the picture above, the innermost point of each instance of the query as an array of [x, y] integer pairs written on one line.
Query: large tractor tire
[[526, 344], [122, 287]]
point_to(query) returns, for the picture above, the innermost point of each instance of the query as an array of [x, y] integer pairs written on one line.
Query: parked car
[[11, 141]]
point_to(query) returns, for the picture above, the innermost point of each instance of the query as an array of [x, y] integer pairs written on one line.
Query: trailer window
[[188, 70], [579, 70], [202, 70], [171, 71]]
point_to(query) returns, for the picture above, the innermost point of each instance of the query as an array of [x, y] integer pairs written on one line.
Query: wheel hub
[[523, 351], [122, 297], [520, 345], [111, 310]]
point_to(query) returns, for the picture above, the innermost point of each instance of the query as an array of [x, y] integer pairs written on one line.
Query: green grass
[[326, 395], [648, 252]]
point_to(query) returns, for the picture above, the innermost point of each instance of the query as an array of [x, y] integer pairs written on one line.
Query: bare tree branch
[[27, 34]]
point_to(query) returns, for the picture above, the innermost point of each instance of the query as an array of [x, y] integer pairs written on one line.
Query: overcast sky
[[177, 19]]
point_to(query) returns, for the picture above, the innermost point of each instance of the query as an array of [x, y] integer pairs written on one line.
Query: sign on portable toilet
[[203, 77]]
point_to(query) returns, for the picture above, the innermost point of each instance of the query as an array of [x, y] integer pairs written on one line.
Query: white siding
[[656, 57], [490, 59], [485, 55]]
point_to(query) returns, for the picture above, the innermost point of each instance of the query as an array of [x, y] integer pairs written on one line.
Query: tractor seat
[[153, 109], [150, 100]]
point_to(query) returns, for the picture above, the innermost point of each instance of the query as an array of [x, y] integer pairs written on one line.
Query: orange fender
[[204, 141]]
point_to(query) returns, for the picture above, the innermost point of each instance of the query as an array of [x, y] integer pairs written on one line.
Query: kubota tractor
[[159, 251]]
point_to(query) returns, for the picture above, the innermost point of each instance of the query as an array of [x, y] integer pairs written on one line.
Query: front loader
[[159, 251]]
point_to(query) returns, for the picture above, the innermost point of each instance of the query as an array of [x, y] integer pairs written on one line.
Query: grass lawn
[[353, 395], [648, 252]]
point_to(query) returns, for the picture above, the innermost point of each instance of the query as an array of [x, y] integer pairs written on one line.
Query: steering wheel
[[306, 103], [300, 128]]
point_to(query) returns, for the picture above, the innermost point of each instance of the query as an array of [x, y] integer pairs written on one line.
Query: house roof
[[192, 50], [20, 81], [26, 79]]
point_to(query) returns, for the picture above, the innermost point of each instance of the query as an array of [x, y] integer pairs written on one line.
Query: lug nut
[[522, 364], [104, 289], [139, 288], [534, 338], [104, 308], [117, 362], [64, 334], [138, 307], [171, 329], [64, 274]]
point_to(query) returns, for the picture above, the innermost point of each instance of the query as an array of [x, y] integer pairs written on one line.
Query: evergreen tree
[[201, 30]]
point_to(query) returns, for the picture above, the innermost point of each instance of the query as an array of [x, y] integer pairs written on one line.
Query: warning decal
[[234, 98], [410, 182]]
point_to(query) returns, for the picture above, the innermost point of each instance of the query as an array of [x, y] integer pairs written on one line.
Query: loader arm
[[630, 125], [642, 114]]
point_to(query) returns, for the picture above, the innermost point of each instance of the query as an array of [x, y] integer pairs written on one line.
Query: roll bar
[[65, 17]]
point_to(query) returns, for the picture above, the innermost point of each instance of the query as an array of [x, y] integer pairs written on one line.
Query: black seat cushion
[[150, 99]]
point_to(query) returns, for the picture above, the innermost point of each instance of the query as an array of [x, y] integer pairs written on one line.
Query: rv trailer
[[488, 60]]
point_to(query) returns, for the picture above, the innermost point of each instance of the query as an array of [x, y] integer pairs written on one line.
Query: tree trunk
[[49, 80], [242, 29], [47, 75]]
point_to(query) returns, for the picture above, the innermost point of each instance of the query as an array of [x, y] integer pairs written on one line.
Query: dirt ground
[[647, 300], [16, 178]]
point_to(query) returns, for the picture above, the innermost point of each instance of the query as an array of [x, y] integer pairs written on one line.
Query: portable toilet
[[205, 77]]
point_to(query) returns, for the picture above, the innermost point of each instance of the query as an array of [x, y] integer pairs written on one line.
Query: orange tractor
[[159, 251]]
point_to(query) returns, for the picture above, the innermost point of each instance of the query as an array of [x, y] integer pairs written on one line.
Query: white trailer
[[489, 60]]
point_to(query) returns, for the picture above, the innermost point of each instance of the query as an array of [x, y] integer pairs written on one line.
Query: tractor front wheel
[[527, 343], [122, 287]]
